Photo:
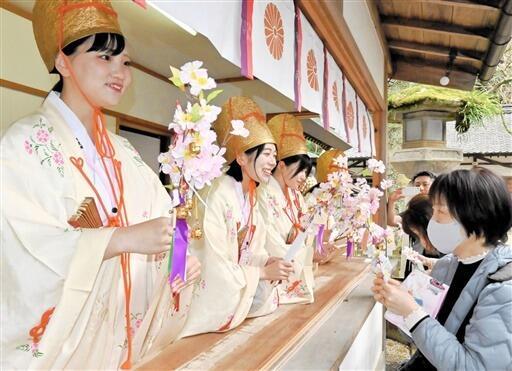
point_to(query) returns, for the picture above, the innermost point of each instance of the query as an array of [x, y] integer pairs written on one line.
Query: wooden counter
[[274, 341]]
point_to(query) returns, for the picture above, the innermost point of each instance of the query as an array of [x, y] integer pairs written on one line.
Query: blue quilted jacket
[[488, 338]]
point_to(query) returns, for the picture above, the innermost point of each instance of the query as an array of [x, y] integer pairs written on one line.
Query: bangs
[[110, 43], [305, 163]]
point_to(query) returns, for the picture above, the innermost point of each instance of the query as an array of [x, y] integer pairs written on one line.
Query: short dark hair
[[235, 170], [110, 43], [424, 173], [417, 215], [479, 200], [305, 163]]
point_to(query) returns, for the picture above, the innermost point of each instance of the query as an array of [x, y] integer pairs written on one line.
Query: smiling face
[[291, 178], [102, 77], [259, 168]]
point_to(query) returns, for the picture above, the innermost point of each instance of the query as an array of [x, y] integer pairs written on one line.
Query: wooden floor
[[261, 343]]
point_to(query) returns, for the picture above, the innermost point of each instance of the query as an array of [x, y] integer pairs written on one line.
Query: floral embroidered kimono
[[48, 264], [278, 216], [230, 289]]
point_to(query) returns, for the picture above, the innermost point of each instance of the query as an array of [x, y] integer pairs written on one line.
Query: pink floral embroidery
[[45, 146], [145, 215], [28, 147], [136, 321], [32, 348], [228, 218], [57, 157], [275, 206], [42, 136]]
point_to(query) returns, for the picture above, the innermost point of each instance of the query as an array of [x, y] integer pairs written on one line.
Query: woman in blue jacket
[[473, 329]]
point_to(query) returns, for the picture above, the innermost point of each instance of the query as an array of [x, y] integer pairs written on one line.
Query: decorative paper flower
[[239, 129], [193, 159], [385, 184], [341, 161], [200, 84], [376, 166], [192, 71]]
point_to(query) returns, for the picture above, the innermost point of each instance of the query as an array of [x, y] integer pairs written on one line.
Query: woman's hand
[[427, 262], [193, 274], [151, 237], [324, 256], [276, 269], [393, 296], [395, 196]]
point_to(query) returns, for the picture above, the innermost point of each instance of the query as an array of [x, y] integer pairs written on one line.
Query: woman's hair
[[234, 168], [416, 216], [478, 199], [110, 43], [305, 163]]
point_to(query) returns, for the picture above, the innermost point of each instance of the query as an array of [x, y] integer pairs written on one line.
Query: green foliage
[[471, 106]]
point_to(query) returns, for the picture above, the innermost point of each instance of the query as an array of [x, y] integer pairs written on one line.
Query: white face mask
[[445, 237]]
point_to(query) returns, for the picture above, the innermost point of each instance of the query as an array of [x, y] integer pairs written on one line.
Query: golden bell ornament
[[196, 233], [189, 203], [182, 212], [194, 148]]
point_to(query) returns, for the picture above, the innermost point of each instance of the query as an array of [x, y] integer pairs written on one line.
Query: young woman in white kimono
[[236, 270], [282, 207], [82, 298]]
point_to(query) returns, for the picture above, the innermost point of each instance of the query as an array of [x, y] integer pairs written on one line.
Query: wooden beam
[[374, 12], [228, 80], [456, 66], [436, 27], [135, 121], [333, 30], [410, 71], [15, 9], [150, 72], [462, 55], [474, 5], [302, 115]]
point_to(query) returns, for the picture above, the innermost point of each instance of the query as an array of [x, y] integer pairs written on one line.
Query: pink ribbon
[[298, 56], [141, 3], [344, 107], [246, 39], [370, 126], [325, 98], [357, 124]]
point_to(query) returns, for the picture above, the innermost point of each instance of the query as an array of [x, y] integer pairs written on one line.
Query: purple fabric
[[350, 248], [179, 251], [320, 238]]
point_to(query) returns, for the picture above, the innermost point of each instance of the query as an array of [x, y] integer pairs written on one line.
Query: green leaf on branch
[[366, 172], [213, 95], [176, 79], [195, 113]]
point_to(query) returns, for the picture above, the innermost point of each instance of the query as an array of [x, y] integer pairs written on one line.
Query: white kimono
[[46, 263], [230, 289], [273, 207]]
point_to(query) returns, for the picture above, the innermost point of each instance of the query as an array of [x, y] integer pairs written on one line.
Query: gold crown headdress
[[289, 135], [246, 110], [69, 20], [325, 164]]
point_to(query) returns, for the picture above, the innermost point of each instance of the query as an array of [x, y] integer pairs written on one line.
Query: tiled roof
[[486, 138]]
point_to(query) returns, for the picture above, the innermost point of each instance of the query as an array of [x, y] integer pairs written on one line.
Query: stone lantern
[[424, 142]]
